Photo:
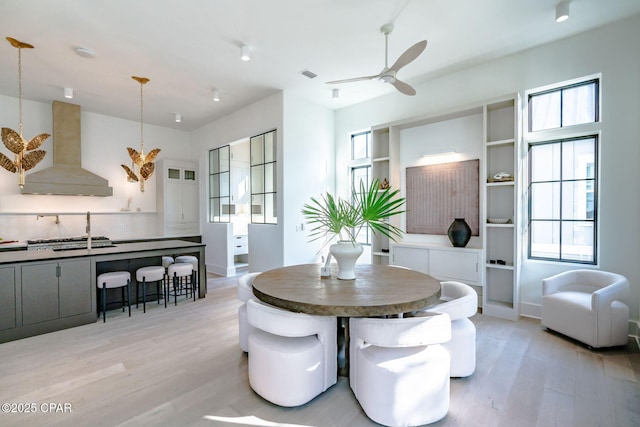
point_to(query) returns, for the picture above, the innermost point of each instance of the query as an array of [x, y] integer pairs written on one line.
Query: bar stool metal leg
[[104, 302], [144, 295], [175, 290], [129, 295]]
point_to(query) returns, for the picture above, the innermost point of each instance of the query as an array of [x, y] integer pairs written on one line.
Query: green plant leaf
[[335, 217]]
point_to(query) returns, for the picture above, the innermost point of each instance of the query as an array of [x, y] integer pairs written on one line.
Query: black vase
[[459, 233]]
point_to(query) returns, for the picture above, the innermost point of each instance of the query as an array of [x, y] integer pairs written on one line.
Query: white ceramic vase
[[346, 253]]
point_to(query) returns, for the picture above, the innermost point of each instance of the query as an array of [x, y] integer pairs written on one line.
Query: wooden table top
[[377, 290]]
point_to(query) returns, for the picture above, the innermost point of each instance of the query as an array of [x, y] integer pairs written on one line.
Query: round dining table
[[377, 290]]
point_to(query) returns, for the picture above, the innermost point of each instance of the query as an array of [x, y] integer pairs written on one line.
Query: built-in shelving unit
[[501, 130], [380, 162], [493, 257]]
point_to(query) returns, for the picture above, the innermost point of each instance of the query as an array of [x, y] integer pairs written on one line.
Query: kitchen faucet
[[43, 215], [88, 230]]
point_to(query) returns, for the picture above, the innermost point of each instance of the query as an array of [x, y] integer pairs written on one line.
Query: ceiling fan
[[388, 74]]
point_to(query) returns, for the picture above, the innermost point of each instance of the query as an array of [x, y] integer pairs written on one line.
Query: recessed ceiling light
[[85, 52]]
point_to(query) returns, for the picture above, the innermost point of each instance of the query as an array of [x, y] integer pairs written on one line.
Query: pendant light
[[142, 166], [26, 155]]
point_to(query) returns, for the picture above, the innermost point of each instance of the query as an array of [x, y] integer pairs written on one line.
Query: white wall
[[305, 168], [104, 142], [308, 170], [462, 135], [259, 117], [610, 50]]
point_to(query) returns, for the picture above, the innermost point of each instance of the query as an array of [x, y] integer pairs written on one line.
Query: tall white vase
[[346, 254]]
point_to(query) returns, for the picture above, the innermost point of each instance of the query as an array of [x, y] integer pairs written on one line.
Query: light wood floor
[[182, 366]]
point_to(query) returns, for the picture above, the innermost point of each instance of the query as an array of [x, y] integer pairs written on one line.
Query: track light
[[562, 11], [245, 53], [178, 118], [68, 92], [216, 95], [335, 93]]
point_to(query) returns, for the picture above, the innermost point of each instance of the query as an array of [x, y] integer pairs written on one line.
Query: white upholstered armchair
[[292, 356], [459, 301], [245, 293], [585, 305]]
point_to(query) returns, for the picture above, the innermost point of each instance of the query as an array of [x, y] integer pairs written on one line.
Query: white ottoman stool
[[194, 263], [114, 279], [145, 275], [178, 271]]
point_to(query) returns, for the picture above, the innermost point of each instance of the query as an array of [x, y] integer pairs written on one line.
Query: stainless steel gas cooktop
[[67, 243]]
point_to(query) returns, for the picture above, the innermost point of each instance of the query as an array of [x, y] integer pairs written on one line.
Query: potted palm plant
[[335, 218]]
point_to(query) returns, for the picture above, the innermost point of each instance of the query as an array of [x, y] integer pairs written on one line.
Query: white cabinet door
[[190, 203], [410, 257], [454, 265], [178, 198], [174, 202]]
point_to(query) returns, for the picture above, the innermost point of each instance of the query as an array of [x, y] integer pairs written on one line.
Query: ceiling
[[188, 48]]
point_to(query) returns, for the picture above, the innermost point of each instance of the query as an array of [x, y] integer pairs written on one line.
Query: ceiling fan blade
[[403, 87], [355, 79], [409, 55]]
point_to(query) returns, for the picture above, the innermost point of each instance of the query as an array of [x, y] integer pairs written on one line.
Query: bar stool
[[194, 262], [179, 271], [166, 262], [145, 275], [114, 279]]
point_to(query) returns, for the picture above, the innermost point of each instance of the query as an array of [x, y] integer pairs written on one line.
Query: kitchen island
[[43, 291]]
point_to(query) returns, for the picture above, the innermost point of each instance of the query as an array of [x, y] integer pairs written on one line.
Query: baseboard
[[535, 311], [530, 310], [634, 330], [221, 271]]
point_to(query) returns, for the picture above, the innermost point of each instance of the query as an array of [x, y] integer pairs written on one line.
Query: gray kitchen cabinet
[[75, 285], [54, 290], [8, 298]]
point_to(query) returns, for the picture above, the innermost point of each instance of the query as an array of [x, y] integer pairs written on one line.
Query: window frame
[[222, 217], [262, 163], [563, 87], [364, 237], [565, 133], [561, 217]]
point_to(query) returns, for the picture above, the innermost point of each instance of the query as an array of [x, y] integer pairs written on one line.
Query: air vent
[[309, 74]]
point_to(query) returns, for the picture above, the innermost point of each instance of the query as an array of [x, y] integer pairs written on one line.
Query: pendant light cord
[[20, 88], [141, 123]]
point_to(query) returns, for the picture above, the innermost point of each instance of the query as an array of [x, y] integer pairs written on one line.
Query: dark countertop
[[18, 256]]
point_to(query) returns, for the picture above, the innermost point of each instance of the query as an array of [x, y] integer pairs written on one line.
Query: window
[[264, 178], [361, 172], [566, 106], [219, 185], [563, 173], [361, 146]]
